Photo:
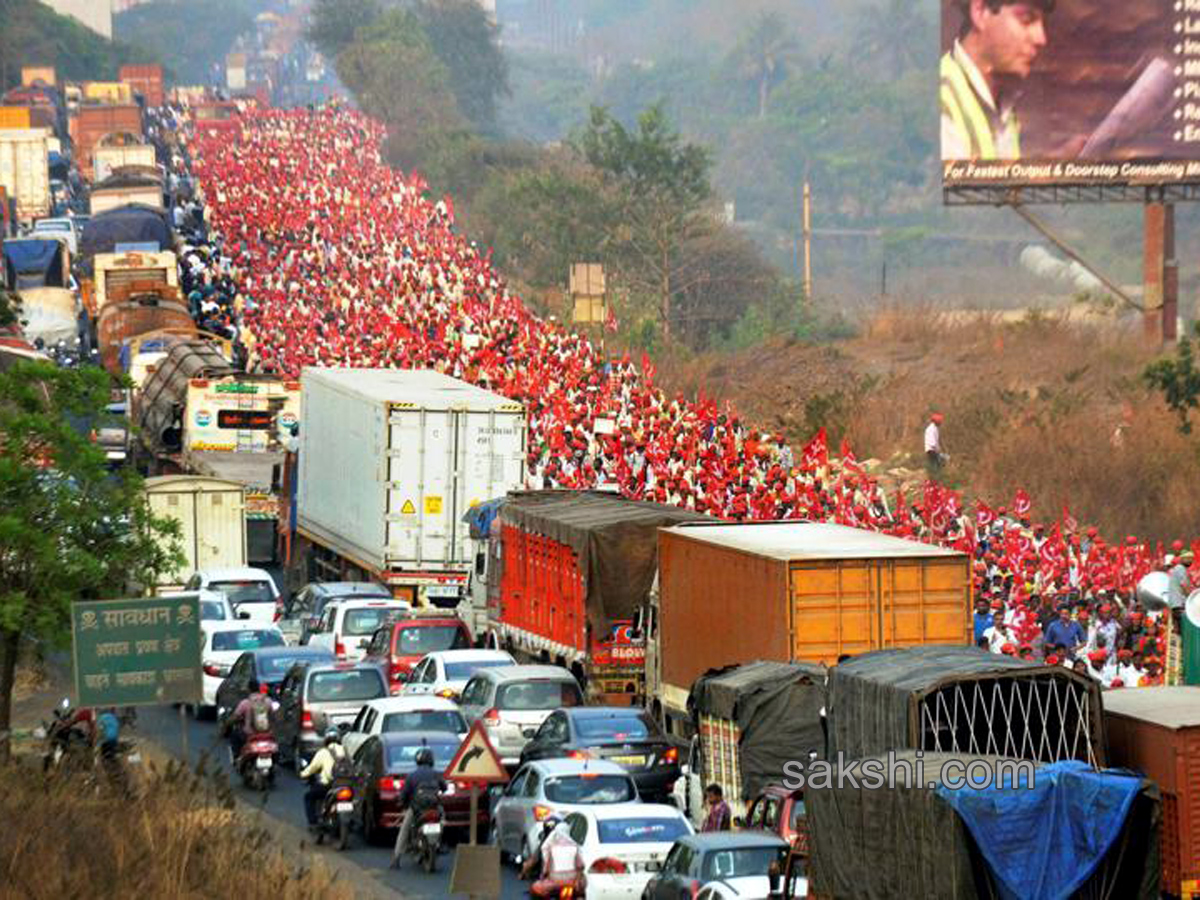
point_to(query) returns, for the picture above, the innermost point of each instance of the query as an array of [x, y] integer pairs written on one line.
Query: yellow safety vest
[[971, 118]]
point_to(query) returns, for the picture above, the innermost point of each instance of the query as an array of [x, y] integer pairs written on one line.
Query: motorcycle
[[256, 762], [68, 747], [425, 840], [336, 813]]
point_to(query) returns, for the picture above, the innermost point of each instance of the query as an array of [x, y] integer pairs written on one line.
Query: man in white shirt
[[999, 634], [934, 457]]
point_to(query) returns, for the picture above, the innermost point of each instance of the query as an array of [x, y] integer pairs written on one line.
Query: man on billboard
[[981, 76]]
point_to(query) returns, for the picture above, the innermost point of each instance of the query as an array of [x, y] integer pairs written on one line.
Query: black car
[[619, 734], [266, 664]]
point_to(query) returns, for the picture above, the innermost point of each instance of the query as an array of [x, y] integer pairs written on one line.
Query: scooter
[[256, 762], [336, 812], [426, 840]]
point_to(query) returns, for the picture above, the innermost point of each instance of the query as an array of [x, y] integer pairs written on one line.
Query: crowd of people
[[322, 255]]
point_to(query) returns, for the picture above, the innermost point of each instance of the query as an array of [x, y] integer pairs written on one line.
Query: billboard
[[1070, 92]]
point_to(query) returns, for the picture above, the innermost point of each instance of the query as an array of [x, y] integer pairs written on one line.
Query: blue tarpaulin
[[27, 256], [1043, 842], [480, 517]]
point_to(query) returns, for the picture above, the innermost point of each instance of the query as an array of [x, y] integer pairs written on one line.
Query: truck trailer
[[388, 463], [792, 592], [25, 170], [212, 522]]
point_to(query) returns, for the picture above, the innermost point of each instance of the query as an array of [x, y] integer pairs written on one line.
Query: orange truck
[[791, 592]]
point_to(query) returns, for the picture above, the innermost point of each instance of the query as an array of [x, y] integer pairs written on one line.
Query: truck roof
[[421, 387], [1170, 707], [806, 540]]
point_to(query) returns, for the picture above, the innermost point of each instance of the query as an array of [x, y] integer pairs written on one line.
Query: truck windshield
[[538, 695], [244, 591], [588, 789], [417, 640]]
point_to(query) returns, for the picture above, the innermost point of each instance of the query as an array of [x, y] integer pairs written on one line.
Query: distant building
[[95, 14]]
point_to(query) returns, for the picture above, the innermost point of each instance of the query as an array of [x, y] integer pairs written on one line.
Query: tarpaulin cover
[[32, 256], [1077, 814], [481, 517], [127, 179], [873, 697], [165, 392], [131, 223], [905, 839], [777, 708], [615, 541]]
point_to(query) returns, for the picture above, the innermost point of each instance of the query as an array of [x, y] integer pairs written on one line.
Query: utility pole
[[1160, 273], [808, 281]]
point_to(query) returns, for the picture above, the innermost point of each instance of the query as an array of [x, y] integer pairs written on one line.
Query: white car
[[445, 673], [624, 844], [214, 606], [222, 644], [404, 714], [249, 590], [346, 626], [554, 787], [514, 701]]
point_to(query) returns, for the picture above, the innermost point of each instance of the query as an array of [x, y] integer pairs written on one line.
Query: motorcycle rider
[[421, 790], [561, 862], [251, 716], [322, 766]]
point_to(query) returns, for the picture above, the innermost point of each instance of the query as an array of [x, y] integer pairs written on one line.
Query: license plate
[[628, 760], [263, 762], [344, 808], [431, 830], [442, 590]]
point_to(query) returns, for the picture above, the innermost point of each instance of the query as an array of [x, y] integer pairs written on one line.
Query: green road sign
[[137, 652]]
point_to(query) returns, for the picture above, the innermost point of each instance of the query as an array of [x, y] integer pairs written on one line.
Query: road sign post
[[476, 866]]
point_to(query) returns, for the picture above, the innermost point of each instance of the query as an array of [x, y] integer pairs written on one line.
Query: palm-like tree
[[764, 54]]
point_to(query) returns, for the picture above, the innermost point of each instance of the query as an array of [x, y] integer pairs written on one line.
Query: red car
[[381, 765], [779, 811], [402, 643]]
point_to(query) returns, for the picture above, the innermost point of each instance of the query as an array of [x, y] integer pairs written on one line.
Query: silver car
[[314, 697], [512, 702]]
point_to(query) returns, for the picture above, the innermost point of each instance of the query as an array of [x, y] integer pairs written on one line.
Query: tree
[[892, 37], [1179, 381], [765, 54], [69, 529], [467, 43], [334, 23], [664, 187]]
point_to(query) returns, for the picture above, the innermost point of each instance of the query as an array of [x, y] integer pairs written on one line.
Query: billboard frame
[[1062, 194]]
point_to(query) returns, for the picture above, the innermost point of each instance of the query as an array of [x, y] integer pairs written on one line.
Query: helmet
[[424, 757], [332, 735]]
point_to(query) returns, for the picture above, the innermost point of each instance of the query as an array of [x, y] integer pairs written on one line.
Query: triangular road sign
[[476, 760]]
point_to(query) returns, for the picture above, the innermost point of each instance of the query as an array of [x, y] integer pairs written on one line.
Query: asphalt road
[[286, 802]]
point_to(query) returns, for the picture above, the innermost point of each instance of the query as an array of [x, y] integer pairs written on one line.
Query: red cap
[[1009, 649], [1117, 683], [1052, 660], [1098, 655]]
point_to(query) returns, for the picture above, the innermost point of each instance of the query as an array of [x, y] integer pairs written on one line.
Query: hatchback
[[315, 697], [512, 702]]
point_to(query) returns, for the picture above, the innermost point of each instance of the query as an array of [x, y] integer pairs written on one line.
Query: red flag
[[611, 321], [816, 452], [984, 514], [648, 370], [1069, 523], [1022, 504]]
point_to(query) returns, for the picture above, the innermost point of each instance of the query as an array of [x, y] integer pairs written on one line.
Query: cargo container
[[211, 517], [25, 170], [115, 93], [147, 192], [91, 123], [1156, 731], [575, 573], [216, 115], [106, 158], [15, 117], [31, 75], [146, 80], [388, 463], [793, 592]]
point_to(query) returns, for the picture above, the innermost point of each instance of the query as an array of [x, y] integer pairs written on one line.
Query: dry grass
[[180, 839]]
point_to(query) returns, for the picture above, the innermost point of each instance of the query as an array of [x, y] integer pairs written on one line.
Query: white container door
[[180, 506], [420, 481], [491, 462], [221, 529]]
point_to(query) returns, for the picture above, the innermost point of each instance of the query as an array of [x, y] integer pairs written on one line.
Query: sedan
[[623, 845], [619, 734], [223, 643], [404, 714], [381, 765], [446, 672], [554, 787], [739, 861], [266, 665]]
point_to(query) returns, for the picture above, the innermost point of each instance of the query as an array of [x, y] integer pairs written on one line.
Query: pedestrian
[[718, 818], [935, 456]]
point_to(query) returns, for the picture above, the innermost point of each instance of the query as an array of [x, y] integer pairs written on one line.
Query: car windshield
[[273, 668], [246, 640], [244, 591], [403, 757], [641, 830], [211, 610], [417, 640], [617, 728], [426, 720], [347, 686], [587, 789], [742, 862], [359, 622], [461, 671], [538, 695]]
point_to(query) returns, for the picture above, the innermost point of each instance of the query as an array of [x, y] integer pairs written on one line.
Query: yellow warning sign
[[433, 506], [408, 509]]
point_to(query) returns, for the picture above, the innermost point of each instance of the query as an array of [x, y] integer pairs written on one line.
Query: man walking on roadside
[[935, 459]]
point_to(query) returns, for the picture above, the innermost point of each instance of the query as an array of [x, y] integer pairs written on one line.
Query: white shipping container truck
[[25, 170], [107, 159], [211, 513], [389, 462]]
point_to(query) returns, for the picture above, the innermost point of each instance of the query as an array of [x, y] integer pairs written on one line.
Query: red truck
[[146, 80], [575, 569]]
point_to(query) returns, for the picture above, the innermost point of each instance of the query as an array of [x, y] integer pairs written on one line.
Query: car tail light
[[671, 756], [306, 719], [390, 783], [580, 754], [216, 670], [344, 794], [541, 813], [695, 886], [491, 718], [608, 866], [278, 610], [339, 649]]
